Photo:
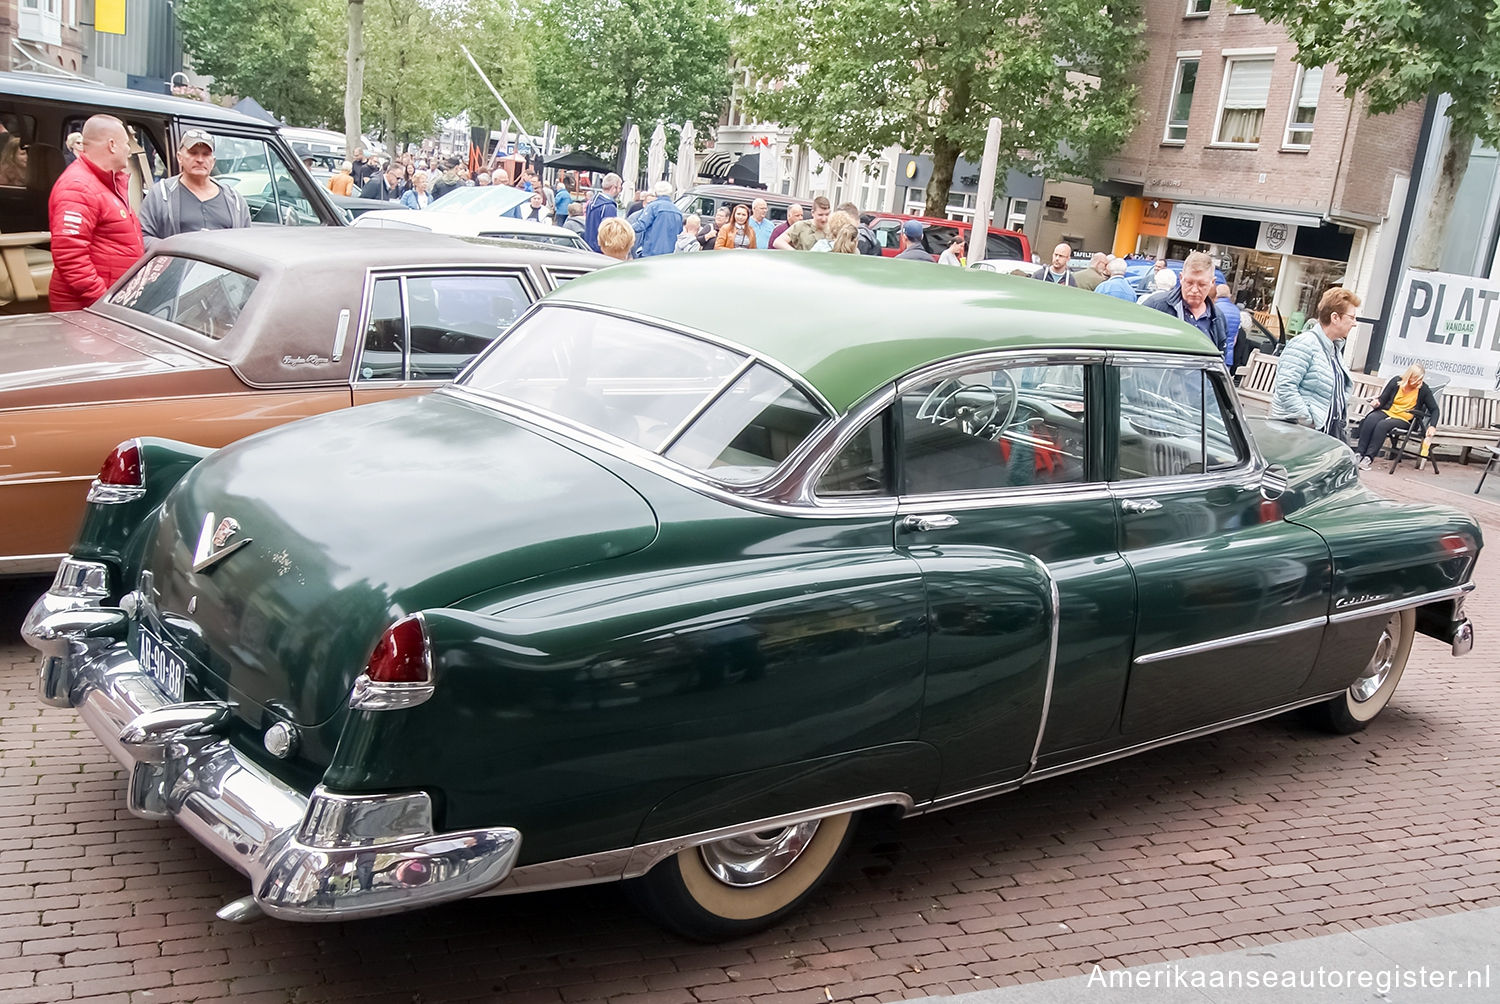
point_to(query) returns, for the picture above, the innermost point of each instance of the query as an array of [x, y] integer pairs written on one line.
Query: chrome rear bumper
[[321, 857]]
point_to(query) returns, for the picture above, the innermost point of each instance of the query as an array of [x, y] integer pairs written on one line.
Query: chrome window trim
[[854, 422], [635, 861], [1229, 641], [987, 498], [1213, 366], [764, 501]]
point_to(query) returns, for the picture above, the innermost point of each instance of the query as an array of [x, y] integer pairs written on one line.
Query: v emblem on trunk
[[214, 542]]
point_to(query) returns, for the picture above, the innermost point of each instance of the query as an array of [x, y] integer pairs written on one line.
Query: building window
[[1197, 8], [1243, 106], [1015, 219], [1182, 101], [1299, 121]]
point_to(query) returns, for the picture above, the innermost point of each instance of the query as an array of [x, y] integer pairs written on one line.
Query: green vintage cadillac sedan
[[672, 595]]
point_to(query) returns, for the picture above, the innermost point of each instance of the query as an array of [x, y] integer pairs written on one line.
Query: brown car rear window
[[197, 295]]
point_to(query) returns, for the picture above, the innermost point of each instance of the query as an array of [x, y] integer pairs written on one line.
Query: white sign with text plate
[[1448, 323]]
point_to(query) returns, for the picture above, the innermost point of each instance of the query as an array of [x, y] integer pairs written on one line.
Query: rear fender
[[114, 533]]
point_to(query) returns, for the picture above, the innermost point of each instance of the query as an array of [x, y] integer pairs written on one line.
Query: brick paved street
[[1266, 833]]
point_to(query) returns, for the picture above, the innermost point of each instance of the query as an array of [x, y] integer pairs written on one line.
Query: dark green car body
[[630, 655]]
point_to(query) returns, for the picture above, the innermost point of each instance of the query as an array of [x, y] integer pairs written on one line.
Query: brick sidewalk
[[1262, 834]]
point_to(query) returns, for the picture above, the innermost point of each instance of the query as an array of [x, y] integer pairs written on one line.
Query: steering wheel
[[944, 405]]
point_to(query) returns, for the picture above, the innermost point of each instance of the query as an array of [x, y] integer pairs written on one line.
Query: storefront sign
[[1186, 222], [1276, 238], [1451, 325], [1156, 217]]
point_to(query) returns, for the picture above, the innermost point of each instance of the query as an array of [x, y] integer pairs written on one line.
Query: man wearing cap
[[911, 242], [192, 200]]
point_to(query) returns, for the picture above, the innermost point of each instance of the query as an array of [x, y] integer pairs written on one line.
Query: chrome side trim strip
[[1230, 641], [633, 862], [28, 564], [1120, 754], [965, 797], [1041, 728], [1401, 604]]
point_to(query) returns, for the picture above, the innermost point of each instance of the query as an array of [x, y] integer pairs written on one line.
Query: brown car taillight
[[401, 655]]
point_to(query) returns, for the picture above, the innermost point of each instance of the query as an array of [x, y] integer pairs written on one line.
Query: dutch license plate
[[162, 665]]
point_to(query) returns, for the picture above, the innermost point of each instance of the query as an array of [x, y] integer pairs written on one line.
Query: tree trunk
[[945, 151], [354, 86], [944, 157], [1427, 250]]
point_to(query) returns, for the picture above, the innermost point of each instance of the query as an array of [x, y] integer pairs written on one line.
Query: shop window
[[1182, 101], [1243, 106], [1197, 8], [1299, 121]]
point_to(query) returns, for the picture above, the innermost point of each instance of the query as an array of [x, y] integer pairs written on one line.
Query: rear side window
[[195, 294], [432, 328], [749, 429]]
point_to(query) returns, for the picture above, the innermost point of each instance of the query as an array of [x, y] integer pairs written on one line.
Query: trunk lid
[[355, 519]]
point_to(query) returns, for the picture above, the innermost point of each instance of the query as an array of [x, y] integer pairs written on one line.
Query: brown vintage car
[[215, 336]]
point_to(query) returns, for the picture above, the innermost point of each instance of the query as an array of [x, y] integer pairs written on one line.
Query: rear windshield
[[707, 407], [197, 295]]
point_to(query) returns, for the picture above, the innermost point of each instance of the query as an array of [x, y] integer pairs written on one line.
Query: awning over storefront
[[32, 59], [1252, 213]]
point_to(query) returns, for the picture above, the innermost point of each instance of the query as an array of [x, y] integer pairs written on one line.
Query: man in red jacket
[[95, 234]]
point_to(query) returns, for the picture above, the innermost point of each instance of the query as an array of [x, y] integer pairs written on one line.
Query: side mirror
[[1273, 482]]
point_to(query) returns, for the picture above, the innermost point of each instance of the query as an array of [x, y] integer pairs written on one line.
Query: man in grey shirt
[[192, 200]]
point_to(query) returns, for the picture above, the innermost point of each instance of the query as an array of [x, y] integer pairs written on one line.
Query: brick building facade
[[46, 35], [1266, 164]]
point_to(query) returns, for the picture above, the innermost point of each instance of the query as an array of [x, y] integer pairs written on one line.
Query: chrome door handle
[[937, 521], [1139, 505]]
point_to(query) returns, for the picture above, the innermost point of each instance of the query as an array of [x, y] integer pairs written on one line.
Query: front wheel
[[741, 884], [1368, 695]]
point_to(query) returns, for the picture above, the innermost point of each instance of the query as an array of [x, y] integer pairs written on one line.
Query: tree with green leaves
[[856, 76], [262, 49], [1395, 52], [601, 63]]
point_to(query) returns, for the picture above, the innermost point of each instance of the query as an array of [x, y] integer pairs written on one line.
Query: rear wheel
[[741, 884], [1368, 695]]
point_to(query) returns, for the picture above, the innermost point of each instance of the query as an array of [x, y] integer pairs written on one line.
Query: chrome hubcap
[[756, 858], [1379, 669]]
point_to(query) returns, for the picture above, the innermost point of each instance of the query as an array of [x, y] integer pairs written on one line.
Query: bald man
[[95, 234]]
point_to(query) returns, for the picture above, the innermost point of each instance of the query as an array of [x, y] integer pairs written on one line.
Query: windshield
[[644, 384]]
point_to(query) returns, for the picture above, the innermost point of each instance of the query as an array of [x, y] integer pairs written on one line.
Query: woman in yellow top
[[1405, 399]]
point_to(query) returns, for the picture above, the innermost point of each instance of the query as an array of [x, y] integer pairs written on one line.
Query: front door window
[[994, 427], [1173, 422], [260, 174], [428, 327]]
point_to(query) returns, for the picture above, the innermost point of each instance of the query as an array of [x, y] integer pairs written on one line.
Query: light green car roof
[[853, 323]]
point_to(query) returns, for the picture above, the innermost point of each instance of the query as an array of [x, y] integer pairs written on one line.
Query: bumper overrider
[[320, 857]]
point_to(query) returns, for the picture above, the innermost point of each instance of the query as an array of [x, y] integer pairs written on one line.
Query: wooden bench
[[1257, 377], [1467, 421]]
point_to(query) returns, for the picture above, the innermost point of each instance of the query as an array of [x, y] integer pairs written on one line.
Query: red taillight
[[123, 466], [401, 654]]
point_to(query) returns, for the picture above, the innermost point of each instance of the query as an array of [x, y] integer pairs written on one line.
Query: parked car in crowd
[[938, 234], [705, 200], [1007, 266], [41, 111], [672, 596], [461, 225], [216, 335]]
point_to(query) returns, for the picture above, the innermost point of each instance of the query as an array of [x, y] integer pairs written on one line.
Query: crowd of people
[[97, 236]]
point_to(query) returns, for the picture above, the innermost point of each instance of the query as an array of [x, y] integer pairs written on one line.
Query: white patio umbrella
[[687, 162], [656, 155], [632, 167]]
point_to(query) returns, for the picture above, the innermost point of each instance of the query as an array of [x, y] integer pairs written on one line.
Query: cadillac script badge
[[216, 544]]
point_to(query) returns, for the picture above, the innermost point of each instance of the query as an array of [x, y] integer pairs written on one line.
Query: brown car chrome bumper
[[320, 857]]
